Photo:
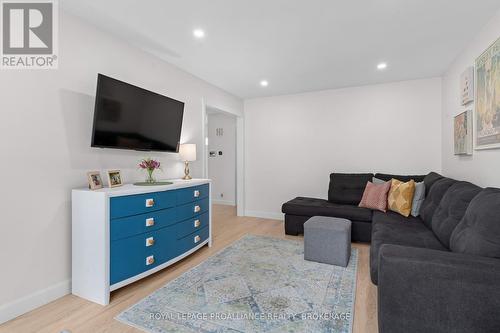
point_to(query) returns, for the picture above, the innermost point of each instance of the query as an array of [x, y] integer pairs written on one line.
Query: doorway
[[221, 135], [223, 155]]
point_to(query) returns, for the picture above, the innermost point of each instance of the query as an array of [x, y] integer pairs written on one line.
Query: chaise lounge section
[[300, 209]]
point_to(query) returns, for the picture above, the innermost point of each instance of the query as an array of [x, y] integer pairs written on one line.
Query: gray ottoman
[[327, 240]]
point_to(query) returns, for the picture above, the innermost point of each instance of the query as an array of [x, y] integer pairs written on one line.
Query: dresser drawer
[[134, 255], [141, 203], [191, 225], [192, 209], [192, 240], [139, 224], [191, 194]]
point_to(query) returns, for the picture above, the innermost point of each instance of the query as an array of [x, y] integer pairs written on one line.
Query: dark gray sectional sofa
[[439, 272]]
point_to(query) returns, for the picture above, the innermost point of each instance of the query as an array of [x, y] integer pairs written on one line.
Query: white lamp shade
[[188, 152]]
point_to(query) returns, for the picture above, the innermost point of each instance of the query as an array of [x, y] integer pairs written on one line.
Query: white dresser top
[[130, 189]]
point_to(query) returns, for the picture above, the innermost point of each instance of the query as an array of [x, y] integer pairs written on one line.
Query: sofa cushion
[[347, 188], [478, 233], [375, 196], [433, 200], [386, 177], [319, 207], [430, 179], [451, 210], [395, 218], [405, 234]]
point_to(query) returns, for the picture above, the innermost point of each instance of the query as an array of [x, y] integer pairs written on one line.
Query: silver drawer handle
[[196, 239], [150, 222], [150, 241], [197, 208], [197, 223], [196, 194], [150, 260], [150, 202]]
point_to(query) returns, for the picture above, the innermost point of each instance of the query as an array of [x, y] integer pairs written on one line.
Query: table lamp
[[187, 152]]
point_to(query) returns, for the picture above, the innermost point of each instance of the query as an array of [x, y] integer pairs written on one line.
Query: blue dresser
[[123, 234]]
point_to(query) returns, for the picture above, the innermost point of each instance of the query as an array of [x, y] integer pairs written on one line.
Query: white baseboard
[[223, 202], [265, 215], [30, 302]]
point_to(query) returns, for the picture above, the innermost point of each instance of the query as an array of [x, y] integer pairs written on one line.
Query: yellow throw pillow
[[400, 197]]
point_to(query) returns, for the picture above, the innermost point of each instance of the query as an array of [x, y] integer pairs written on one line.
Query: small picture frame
[[463, 133], [467, 85], [95, 180], [114, 178]]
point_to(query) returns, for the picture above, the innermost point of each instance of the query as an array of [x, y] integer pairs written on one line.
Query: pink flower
[[149, 164]]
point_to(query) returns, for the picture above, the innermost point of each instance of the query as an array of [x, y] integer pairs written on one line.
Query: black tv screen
[[129, 117]]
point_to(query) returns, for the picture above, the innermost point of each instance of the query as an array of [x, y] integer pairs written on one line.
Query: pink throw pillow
[[375, 196]]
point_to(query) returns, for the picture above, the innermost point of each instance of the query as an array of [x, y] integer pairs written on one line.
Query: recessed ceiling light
[[264, 83], [382, 66], [198, 33]]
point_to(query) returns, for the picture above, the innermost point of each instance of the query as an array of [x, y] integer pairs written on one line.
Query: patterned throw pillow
[[375, 196], [400, 197]]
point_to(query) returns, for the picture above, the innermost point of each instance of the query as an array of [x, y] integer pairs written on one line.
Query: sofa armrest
[[422, 290]]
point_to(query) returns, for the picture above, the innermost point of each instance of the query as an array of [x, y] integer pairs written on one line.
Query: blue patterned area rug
[[257, 284]]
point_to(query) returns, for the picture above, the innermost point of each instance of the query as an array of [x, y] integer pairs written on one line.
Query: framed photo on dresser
[[94, 179], [114, 178]]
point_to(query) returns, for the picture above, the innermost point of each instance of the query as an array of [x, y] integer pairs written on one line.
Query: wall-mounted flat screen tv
[[129, 117]]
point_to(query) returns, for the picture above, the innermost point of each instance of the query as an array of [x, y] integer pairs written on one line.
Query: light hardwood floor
[[78, 315]]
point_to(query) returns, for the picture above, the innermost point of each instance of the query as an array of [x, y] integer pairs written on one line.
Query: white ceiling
[[297, 45]]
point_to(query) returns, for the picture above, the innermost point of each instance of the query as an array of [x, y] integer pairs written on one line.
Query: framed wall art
[[487, 115], [467, 85], [463, 133]]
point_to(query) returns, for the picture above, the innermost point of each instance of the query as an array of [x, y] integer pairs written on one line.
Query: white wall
[[222, 168], [45, 125], [293, 143], [482, 168]]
